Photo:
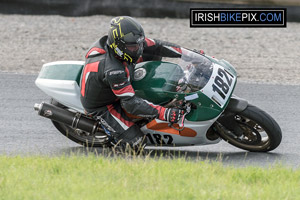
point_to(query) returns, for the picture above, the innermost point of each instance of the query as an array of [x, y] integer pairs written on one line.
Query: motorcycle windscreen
[[197, 71], [154, 80]]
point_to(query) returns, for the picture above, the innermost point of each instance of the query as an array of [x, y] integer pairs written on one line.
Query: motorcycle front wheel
[[79, 136], [252, 130]]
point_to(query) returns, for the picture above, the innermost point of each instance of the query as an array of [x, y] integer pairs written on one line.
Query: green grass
[[101, 177]]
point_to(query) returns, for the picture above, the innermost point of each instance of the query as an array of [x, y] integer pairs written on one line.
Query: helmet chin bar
[[136, 54], [135, 57], [127, 58], [126, 55]]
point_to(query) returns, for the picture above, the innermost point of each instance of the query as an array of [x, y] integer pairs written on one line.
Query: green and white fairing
[[205, 82], [201, 80]]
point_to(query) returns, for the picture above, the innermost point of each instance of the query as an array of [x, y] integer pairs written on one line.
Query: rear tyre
[[252, 130], [79, 136]]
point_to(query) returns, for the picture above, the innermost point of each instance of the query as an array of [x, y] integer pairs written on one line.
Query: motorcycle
[[198, 83]]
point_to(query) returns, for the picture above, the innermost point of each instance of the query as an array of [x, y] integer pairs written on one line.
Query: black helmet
[[126, 37]]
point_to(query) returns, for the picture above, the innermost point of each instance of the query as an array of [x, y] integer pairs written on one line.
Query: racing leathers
[[107, 93]]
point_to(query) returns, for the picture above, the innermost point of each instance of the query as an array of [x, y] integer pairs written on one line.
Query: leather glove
[[199, 51], [173, 115]]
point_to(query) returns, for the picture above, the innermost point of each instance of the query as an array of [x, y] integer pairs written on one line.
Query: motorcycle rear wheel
[[78, 136], [260, 132]]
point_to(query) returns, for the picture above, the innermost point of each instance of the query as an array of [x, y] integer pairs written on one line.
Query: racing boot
[[133, 139]]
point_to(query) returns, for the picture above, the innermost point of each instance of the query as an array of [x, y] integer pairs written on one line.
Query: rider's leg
[[121, 127]]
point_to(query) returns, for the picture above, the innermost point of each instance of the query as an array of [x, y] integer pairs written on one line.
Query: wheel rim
[[85, 137], [254, 136]]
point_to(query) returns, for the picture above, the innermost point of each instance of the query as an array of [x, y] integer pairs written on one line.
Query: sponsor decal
[[116, 72], [139, 74], [118, 51], [118, 85], [105, 124], [238, 17], [48, 113], [191, 97]]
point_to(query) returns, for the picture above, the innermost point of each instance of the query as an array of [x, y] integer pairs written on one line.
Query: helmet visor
[[134, 47]]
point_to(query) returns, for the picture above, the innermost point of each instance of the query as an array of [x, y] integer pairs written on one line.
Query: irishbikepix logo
[[232, 17]]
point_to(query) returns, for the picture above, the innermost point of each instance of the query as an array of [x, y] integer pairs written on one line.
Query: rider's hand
[[173, 115], [199, 51]]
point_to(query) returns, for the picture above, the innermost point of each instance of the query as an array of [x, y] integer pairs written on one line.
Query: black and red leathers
[[106, 90]]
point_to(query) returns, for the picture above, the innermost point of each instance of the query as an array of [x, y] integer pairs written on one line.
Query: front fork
[[227, 120]]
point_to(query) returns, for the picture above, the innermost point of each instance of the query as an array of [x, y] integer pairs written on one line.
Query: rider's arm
[[122, 88], [155, 49]]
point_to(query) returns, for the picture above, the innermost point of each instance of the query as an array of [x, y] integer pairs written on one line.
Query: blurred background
[[34, 32], [137, 8]]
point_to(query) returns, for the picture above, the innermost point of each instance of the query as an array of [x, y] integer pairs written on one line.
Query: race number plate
[[220, 85]]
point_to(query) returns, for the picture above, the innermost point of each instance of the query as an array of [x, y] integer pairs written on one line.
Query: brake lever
[[177, 129], [182, 124]]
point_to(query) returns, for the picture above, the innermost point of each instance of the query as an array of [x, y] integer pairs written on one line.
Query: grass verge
[[98, 177]]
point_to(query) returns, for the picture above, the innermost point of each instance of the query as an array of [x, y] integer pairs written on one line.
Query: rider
[[106, 91]]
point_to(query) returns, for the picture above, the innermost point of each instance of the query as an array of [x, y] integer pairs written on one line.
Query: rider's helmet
[[126, 38]]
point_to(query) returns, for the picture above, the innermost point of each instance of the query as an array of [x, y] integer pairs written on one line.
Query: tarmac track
[[23, 132]]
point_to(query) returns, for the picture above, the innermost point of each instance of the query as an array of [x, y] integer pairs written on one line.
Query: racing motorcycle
[[198, 83]]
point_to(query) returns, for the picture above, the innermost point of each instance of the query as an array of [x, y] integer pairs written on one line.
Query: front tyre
[[252, 130]]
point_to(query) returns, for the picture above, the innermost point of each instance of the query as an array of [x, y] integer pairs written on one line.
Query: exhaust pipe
[[75, 120]]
